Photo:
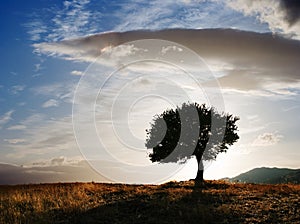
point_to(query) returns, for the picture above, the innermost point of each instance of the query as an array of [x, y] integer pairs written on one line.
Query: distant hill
[[265, 175]]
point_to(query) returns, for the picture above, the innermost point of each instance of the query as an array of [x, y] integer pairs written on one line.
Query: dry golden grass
[[173, 202]]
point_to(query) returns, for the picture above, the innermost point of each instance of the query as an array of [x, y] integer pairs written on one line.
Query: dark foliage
[[190, 130]]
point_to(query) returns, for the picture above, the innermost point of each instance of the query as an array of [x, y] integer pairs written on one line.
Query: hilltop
[[173, 202], [266, 175]]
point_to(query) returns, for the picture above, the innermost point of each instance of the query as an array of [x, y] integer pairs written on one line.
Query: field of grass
[[173, 202]]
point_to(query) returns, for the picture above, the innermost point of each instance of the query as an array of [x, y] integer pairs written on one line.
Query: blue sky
[[41, 67]]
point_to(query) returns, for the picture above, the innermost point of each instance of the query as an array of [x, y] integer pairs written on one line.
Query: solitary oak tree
[[192, 130]]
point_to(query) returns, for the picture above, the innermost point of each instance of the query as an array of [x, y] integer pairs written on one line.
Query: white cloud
[[78, 18], [33, 119], [43, 136], [17, 88], [267, 139], [37, 67], [170, 48], [22, 104], [15, 140], [50, 103], [36, 29], [154, 15], [193, 14], [59, 91], [75, 18], [75, 72], [5, 118], [17, 127]]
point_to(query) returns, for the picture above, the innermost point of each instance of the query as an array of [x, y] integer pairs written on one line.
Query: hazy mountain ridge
[[267, 175]]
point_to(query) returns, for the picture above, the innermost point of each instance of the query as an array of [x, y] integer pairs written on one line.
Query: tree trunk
[[199, 176], [200, 171]]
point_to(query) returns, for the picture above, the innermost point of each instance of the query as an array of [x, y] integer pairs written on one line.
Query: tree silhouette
[[191, 130]]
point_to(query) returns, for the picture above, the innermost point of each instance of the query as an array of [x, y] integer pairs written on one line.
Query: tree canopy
[[190, 130]]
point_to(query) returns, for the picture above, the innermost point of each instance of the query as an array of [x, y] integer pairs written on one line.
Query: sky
[[81, 80]]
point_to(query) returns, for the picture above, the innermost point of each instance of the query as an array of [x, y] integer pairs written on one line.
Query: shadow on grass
[[173, 202], [189, 204]]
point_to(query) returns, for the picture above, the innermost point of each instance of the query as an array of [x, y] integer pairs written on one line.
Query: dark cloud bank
[[254, 59], [292, 10]]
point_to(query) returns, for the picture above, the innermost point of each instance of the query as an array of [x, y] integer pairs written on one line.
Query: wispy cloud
[[5, 118], [17, 127], [75, 18], [37, 67], [17, 88], [36, 29], [193, 14], [71, 19], [50, 103], [43, 136], [33, 119], [267, 139], [59, 92], [15, 140]]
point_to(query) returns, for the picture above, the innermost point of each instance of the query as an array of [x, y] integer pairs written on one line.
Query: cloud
[[58, 161], [15, 140], [290, 108], [5, 118], [267, 139], [72, 19], [59, 91], [33, 119], [154, 15], [13, 174], [292, 9], [158, 14], [281, 15], [254, 61], [44, 136], [37, 67], [75, 72], [41, 137], [36, 29], [17, 127], [81, 171], [17, 88], [50, 103], [170, 48]]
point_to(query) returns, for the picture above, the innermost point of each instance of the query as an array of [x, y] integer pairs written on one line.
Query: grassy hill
[[173, 202], [269, 176]]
